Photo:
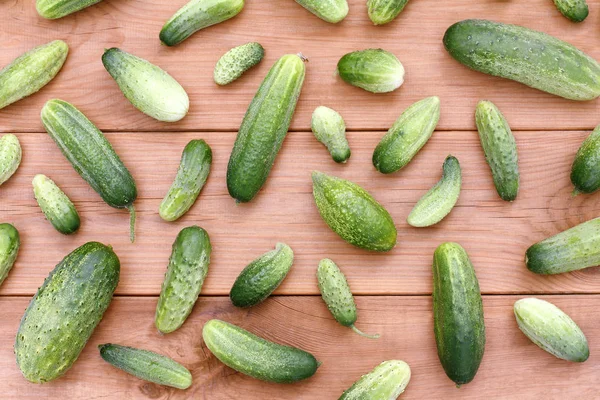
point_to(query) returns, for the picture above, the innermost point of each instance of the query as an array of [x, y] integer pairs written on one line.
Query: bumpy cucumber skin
[[186, 272], [332, 11], [10, 156], [65, 311], [329, 128], [336, 293], [387, 381], [521, 54], [262, 276], [551, 329], [575, 10], [384, 11], [237, 61], [437, 203], [256, 357], [500, 149], [9, 249], [196, 15], [31, 71], [54, 9], [192, 174], [55, 205], [149, 88], [264, 128], [353, 213], [407, 136], [571, 250], [457, 313], [374, 70], [585, 172], [147, 365]]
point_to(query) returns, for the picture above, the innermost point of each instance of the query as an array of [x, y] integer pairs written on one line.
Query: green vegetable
[[407, 136], [147, 365], [187, 269], [10, 156], [191, 177], [387, 381], [384, 11], [256, 357], [457, 313], [264, 128], [575, 10], [585, 172], [262, 276], [329, 128], [150, 89], [328, 10], [530, 57], [54, 9], [374, 70], [9, 248], [353, 214], [55, 205], [237, 61], [65, 311]]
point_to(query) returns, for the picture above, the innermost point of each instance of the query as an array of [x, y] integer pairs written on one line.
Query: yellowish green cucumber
[[329, 128], [575, 10], [236, 61], [332, 11], [374, 70], [10, 156], [9, 249], [384, 11], [56, 205], [387, 381], [585, 171], [54, 9]]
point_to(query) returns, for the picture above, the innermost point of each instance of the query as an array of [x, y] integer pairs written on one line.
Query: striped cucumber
[[56, 205], [374, 70], [54, 9], [10, 156], [585, 171], [236, 61], [9, 249], [575, 10], [384, 11], [264, 128], [387, 381], [329, 128], [332, 11]]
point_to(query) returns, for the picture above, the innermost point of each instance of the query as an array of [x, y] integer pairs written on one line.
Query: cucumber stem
[[131, 222], [355, 329], [576, 192]]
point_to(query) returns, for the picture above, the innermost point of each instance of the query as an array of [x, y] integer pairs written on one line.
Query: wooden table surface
[[393, 290]]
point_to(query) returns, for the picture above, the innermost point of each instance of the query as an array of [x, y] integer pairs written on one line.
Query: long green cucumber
[[457, 313], [386, 381], [585, 171], [54, 9], [575, 10], [374, 70], [524, 55], [9, 249], [384, 11], [187, 269], [256, 357], [65, 311], [236, 61], [91, 155], [10, 156], [332, 11], [329, 128], [264, 128], [56, 205]]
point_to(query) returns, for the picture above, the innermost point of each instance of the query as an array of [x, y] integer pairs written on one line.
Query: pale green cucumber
[[575, 10], [329, 128], [374, 70], [10, 156], [9, 249], [236, 61], [384, 11], [332, 11], [386, 381], [585, 171], [56, 205], [54, 9]]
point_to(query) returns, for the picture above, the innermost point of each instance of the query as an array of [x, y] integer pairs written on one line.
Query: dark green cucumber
[[53, 9], [262, 276], [91, 155], [374, 70], [147, 365], [585, 171], [65, 311], [524, 55], [575, 10], [386, 381], [329, 128], [457, 313], [236, 61], [384, 11], [256, 357], [10, 156], [187, 269], [264, 128], [332, 11], [9, 249], [55, 205]]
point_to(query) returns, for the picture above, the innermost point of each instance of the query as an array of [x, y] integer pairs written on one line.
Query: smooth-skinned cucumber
[[575, 10], [332, 11], [384, 11], [10, 156], [10, 242], [585, 171], [329, 128], [236, 61], [54, 9], [386, 381], [56, 205], [374, 70]]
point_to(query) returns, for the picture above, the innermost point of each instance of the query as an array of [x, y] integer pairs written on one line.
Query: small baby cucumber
[[387, 381], [575, 10], [383, 11], [237, 61], [374, 70], [9, 248], [10, 156], [329, 128], [55, 204], [585, 172], [54, 9], [332, 11]]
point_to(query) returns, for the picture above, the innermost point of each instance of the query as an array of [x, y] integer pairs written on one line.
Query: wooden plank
[[284, 27]]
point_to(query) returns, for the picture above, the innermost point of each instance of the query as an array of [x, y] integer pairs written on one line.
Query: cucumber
[[31, 71], [65, 311], [500, 149], [196, 15], [526, 56], [384, 11], [256, 357], [187, 269], [329, 128], [262, 276], [91, 155], [457, 313], [407, 136], [332, 11], [353, 213], [374, 70], [336, 293], [192, 173], [147, 365], [387, 381], [9, 249], [264, 127], [10, 156], [585, 171], [236, 61], [575, 10], [150, 89], [437, 203], [571, 250], [54, 9], [551, 329], [55, 205]]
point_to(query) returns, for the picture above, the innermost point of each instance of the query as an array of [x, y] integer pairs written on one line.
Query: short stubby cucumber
[[187, 269], [196, 15], [54, 9], [585, 171], [387, 381], [457, 313], [264, 128], [147, 365], [353, 213], [262, 276], [571, 250], [329, 128], [9, 249], [31, 71], [192, 174], [10, 156], [65, 311], [332, 11], [237, 61], [149, 88], [437, 203], [55, 204], [336, 293], [500, 149], [384, 11], [551, 329], [374, 70], [526, 56], [256, 357], [407, 136], [575, 10]]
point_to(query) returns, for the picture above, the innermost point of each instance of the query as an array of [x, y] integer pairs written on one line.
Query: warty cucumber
[[332, 11], [9, 249], [585, 171], [575, 10], [55, 204], [329, 128], [236, 61], [386, 381], [374, 70], [384, 11], [10, 156], [54, 9]]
